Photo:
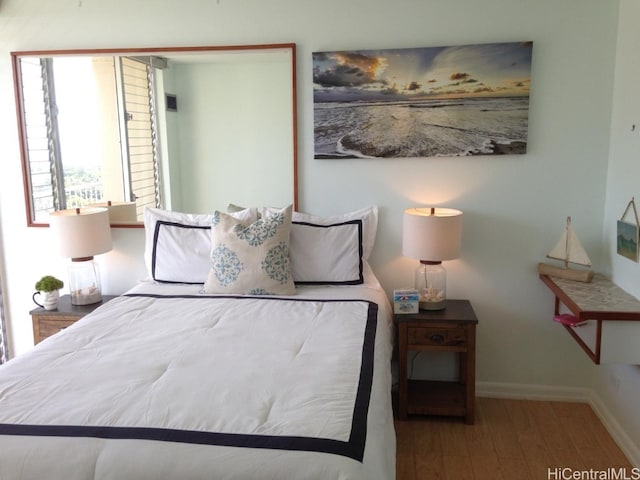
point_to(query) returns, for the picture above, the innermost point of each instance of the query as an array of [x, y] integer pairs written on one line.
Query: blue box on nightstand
[[405, 300]]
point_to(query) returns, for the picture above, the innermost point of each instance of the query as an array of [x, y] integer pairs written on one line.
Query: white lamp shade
[[82, 232], [119, 212], [432, 234]]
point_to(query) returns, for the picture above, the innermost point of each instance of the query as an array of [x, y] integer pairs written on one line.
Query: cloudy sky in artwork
[[498, 70]]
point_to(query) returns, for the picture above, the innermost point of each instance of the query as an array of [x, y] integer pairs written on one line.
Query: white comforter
[[168, 383]]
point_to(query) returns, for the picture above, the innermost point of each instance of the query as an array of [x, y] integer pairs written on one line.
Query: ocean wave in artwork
[[460, 127]]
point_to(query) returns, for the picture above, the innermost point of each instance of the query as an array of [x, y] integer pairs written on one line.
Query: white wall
[[515, 206], [619, 385]]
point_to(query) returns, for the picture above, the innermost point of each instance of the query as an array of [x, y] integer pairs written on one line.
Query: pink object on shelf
[[568, 319]]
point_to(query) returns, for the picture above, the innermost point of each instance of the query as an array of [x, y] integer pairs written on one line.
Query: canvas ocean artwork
[[422, 102]]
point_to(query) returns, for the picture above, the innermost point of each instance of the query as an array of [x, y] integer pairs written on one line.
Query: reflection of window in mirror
[[91, 130]]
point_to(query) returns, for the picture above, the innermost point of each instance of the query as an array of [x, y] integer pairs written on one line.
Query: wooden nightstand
[[450, 330], [48, 322]]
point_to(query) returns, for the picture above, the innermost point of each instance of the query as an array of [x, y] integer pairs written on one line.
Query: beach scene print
[[422, 102]]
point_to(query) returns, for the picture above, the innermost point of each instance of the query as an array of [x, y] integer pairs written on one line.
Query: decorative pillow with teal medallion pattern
[[250, 258]]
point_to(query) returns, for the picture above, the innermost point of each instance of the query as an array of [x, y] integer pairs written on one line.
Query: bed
[[175, 379]]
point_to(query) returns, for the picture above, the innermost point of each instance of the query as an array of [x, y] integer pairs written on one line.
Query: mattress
[[165, 382]]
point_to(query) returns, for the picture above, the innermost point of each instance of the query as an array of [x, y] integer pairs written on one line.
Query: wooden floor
[[510, 440]]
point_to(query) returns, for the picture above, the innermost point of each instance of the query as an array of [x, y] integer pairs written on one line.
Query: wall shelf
[[609, 318]]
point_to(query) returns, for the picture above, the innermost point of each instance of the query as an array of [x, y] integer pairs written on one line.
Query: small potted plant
[[50, 286]]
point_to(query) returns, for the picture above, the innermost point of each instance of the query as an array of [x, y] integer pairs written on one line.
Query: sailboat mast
[[567, 253]]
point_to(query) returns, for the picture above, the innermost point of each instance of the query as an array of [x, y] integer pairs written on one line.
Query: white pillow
[[328, 257], [369, 217], [250, 257], [177, 244], [327, 254]]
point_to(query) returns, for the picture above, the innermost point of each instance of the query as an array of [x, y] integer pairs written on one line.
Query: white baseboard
[[565, 394], [532, 392], [626, 444]]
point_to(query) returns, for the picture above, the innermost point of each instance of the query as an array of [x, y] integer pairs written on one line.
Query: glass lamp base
[[84, 282], [431, 280]]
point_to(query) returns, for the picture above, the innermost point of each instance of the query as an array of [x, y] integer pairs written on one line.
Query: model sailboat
[[568, 250]]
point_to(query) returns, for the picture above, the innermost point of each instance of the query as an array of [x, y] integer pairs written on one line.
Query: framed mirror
[[189, 129]]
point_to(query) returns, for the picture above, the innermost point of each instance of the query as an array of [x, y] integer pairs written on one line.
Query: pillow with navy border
[[325, 250], [327, 254], [368, 216], [179, 254], [177, 244]]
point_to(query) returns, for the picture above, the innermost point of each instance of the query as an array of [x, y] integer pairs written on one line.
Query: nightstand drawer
[[50, 326], [434, 336], [50, 322]]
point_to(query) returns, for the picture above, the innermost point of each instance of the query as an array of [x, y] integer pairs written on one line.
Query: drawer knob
[[437, 338]]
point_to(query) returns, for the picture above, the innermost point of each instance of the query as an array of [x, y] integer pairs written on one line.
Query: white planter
[[51, 300]]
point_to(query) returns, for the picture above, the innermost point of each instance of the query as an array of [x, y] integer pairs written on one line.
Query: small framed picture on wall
[[627, 234]]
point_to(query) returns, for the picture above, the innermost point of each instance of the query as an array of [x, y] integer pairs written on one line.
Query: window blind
[[139, 104]]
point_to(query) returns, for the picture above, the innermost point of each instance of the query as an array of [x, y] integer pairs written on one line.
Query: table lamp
[[431, 235], [119, 212], [83, 233]]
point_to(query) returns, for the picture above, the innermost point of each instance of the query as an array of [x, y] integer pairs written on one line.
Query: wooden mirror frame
[[15, 57]]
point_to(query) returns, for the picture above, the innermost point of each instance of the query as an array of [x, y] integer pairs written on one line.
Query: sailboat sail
[[569, 249]]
